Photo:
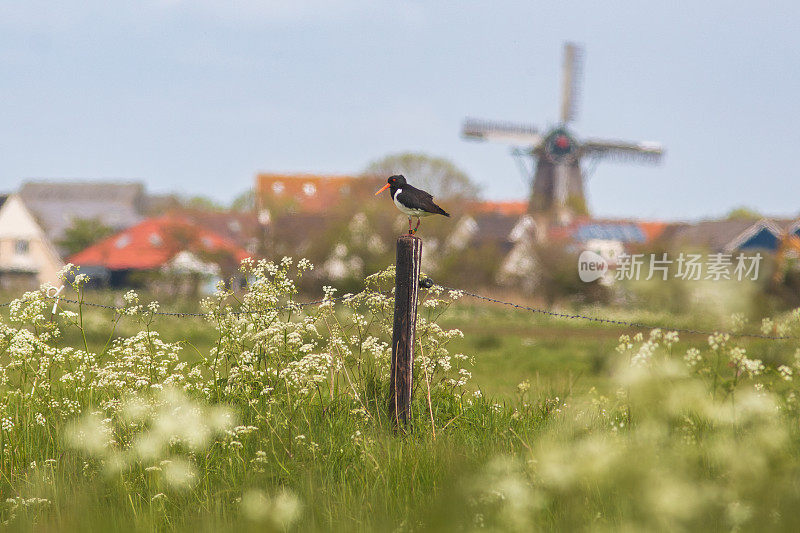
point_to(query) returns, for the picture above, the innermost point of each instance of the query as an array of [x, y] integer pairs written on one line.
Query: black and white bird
[[411, 201]]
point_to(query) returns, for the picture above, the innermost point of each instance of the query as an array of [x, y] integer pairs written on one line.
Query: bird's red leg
[[409, 227], [416, 228]]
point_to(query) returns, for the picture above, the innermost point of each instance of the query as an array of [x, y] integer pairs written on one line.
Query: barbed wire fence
[[428, 284], [623, 323]]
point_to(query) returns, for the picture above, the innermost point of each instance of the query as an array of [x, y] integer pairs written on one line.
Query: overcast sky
[[197, 96]]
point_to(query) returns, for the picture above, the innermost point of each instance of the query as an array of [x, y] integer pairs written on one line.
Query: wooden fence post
[[409, 259]]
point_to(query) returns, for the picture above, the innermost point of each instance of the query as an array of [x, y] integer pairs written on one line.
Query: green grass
[[597, 441]]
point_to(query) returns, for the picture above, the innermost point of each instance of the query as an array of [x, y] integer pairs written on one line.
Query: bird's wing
[[420, 192], [417, 199]]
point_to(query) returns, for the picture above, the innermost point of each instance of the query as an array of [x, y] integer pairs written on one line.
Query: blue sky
[[197, 96]]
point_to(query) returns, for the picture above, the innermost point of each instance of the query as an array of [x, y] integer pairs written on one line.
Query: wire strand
[[624, 323]]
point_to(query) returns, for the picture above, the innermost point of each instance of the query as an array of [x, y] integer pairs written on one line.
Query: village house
[[309, 193], [503, 237], [609, 238], [169, 253], [521, 267], [729, 236], [116, 204], [27, 258], [472, 229], [241, 228], [56, 203]]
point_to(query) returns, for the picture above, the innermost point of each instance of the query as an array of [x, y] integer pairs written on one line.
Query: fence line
[[624, 323], [535, 310]]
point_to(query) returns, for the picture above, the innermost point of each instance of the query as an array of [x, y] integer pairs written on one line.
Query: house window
[[155, 239], [123, 241], [309, 189], [277, 187], [21, 247]]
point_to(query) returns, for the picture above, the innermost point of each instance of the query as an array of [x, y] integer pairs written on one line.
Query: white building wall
[[17, 226]]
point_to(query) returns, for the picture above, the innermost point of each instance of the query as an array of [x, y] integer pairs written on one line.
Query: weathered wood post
[[409, 259]]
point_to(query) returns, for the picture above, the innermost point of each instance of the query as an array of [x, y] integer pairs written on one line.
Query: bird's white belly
[[406, 210]]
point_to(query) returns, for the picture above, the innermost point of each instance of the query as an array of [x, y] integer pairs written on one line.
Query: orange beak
[[382, 189]]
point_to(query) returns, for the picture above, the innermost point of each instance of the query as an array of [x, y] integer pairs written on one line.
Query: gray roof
[[240, 228], [785, 224], [158, 204], [713, 235], [56, 203], [495, 226]]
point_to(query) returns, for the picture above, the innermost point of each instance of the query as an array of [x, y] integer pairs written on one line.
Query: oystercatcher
[[411, 201]]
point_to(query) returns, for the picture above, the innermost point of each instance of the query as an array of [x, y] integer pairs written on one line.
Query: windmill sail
[[509, 132], [644, 151], [572, 75]]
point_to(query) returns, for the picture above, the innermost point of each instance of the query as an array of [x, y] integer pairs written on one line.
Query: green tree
[[83, 233], [743, 213], [246, 201], [436, 175], [202, 203]]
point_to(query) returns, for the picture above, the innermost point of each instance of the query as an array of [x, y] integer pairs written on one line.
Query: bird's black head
[[394, 182], [398, 180]]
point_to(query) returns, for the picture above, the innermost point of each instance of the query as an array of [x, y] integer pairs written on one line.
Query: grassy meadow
[[270, 417]]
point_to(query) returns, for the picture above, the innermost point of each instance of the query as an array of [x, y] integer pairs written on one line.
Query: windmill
[[558, 188]]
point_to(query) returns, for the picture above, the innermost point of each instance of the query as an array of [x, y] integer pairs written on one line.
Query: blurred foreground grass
[[562, 427]]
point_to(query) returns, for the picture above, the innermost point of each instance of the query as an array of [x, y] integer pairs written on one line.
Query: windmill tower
[[557, 193]]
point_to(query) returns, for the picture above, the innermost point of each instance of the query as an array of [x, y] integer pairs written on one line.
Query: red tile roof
[[311, 193], [153, 243]]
